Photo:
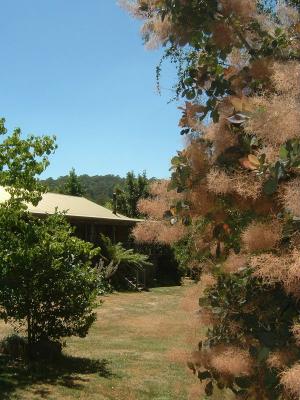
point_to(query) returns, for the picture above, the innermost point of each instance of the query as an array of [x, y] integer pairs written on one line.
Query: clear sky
[[78, 69]]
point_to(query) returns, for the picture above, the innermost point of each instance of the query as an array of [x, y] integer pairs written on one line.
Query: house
[[88, 218]]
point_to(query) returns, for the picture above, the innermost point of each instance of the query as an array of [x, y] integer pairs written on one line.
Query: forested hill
[[98, 188]]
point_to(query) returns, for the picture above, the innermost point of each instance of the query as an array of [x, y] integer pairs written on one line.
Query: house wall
[[90, 231]]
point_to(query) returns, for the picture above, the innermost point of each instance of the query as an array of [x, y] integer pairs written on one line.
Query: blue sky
[[78, 69]]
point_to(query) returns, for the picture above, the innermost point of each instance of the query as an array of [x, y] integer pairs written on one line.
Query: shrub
[[46, 276], [14, 346], [159, 236]]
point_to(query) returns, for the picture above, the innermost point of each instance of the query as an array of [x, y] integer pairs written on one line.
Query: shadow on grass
[[66, 371]]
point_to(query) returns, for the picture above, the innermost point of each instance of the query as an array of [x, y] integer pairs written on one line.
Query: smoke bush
[[235, 187]]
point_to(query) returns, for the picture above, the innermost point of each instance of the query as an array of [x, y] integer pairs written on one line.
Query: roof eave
[[102, 221]]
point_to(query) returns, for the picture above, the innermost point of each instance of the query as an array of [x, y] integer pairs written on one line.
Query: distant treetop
[[73, 185]]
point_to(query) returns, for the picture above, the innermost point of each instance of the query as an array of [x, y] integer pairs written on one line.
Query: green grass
[[135, 351]]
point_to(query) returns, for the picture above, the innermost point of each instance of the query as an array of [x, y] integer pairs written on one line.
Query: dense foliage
[[239, 184]]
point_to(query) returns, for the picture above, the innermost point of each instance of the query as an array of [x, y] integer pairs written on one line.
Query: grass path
[[135, 351]]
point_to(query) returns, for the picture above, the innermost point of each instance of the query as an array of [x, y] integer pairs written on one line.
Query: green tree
[[73, 185], [46, 280], [135, 188]]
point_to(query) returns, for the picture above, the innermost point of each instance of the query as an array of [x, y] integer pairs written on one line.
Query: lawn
[[136, 350]]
